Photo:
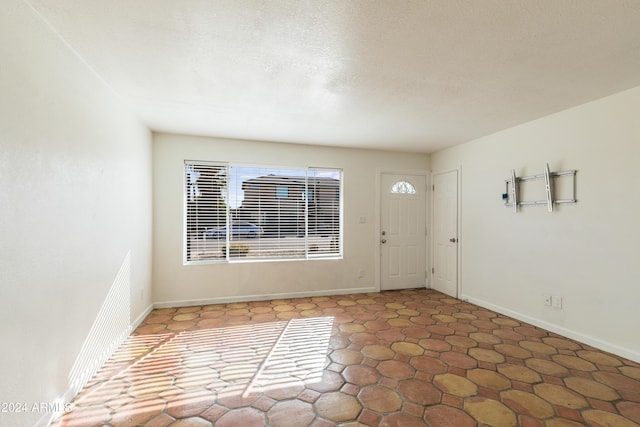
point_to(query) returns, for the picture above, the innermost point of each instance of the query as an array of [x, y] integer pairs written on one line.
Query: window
[[235, 212], [282, 192], [403, 187], [308, 195]]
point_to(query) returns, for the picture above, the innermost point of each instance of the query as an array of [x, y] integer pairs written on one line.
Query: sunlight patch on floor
[[233, 362]]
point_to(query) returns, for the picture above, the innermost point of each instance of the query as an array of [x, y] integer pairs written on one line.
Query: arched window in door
[[403, 187]]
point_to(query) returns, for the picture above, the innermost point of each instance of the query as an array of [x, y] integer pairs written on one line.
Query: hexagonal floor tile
[[245, 417], [412, 357], [291, 413], [558, 395], [590, 388], [378, 352], [395, 369], [520, 373], [330, 381], [360, 375], [455, 385], [380, 399], [346, 357], [527, 403], [401, 420], [420, 392], [337, 407], [407, 348], [447, 416], [489, 379], [490, 412], [597, 417]]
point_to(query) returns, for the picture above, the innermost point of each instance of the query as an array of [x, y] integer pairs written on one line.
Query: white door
[[445, 233], [402, 231]]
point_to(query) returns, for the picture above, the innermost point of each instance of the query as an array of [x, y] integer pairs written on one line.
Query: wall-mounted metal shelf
[[512, 199]]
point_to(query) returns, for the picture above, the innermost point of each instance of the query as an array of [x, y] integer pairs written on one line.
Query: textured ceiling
[[397, 74]]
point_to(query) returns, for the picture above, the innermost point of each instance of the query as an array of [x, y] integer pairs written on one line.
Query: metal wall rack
[[512, 195]]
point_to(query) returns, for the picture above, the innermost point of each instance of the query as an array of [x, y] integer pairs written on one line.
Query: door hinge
[[433, 188], [433, 271]]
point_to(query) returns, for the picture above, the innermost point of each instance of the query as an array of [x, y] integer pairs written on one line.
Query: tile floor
[[402, 358]]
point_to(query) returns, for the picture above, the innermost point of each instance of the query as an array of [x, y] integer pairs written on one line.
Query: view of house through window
[[235, 212]]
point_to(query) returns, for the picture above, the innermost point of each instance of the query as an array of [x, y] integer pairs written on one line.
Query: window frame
[[309, 174]]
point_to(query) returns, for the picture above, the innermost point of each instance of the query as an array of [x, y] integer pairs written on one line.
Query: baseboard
[[138, 320], [578, 336], [59, 404], [262, 297]]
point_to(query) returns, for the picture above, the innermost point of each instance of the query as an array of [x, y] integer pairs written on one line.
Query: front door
[[402, 231], [445, 241]]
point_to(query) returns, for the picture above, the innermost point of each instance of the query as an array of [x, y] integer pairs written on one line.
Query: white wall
[[586, 253], [75, 212], [175, 283]]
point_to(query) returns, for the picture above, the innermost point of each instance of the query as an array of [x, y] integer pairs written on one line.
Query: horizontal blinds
[[205, 209], [272, 213], [324, 208]]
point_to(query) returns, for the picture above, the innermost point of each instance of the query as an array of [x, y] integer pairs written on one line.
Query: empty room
[[319, 213]]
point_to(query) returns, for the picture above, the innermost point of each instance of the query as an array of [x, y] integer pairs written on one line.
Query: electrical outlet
[[556, 301], [547, 300], [360, 274]]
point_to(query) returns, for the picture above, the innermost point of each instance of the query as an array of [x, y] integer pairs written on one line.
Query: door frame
[[458, 171], [378, 221]]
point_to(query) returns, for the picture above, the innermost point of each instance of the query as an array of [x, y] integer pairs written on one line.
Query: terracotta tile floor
[[402, 358]]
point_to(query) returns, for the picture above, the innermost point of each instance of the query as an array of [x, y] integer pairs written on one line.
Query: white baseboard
[[138, 320], [71, 392], [578, 336], [262, 297]]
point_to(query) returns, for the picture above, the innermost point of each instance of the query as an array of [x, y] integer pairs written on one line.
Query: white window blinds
[[205, 209], [255, 213]]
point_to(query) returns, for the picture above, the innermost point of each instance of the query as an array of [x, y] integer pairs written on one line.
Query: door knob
[[383, 241], [453, 240]]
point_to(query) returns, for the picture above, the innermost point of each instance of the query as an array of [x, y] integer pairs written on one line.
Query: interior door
[[445, 222], [402, 231]]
